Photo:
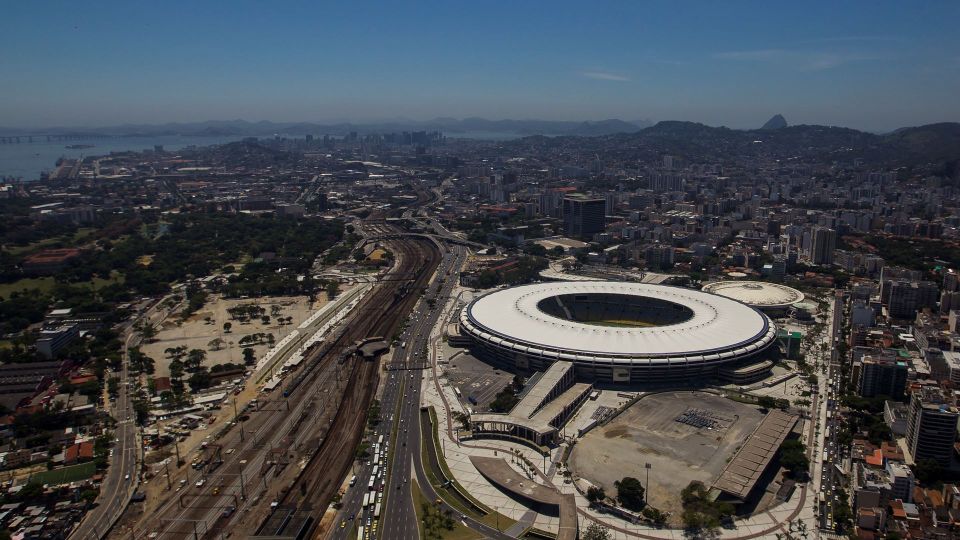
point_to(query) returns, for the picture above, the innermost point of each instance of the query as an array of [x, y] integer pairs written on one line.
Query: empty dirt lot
[[684, 436], [201, 328]]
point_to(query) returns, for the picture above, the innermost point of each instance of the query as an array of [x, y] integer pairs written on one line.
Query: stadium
[[621, 332], [771, 298]]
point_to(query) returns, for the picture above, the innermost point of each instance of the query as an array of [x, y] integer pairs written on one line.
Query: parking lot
[[477, 381]]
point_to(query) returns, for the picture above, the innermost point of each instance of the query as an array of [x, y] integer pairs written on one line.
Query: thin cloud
[[801, 60], [853, 39], [604, 76]]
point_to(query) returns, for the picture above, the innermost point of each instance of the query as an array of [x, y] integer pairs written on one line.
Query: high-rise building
[[949, 301], [951, 280], [901, 480], [666, 182], [908, 297], [583, 216], [931, 426], [659, 256], [882, 376], [889, 274], [861, 313], [823, 243]]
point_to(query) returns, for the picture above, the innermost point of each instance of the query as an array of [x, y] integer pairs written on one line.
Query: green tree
[[148, 332], [463, 419], [928, 471], [596, 531], [227, 326], [657, 517], [630, 493], [141, 409], [793, 457], [199, 379], [333, 289], [249, 357], [194, 358], [595, 494], [176, 369], [505, 400], [535, 249]]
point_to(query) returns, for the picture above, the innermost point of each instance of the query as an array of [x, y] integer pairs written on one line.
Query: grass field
[[66, 240], [66, 474], [459, 531], [45, 284], [622, 323], [25, 284]]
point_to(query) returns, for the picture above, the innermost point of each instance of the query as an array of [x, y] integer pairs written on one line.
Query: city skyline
[[874, 67]]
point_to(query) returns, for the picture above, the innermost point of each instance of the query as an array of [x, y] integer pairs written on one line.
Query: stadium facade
[[621, 332]]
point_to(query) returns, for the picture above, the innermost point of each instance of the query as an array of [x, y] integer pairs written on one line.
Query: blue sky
[[869, 65]]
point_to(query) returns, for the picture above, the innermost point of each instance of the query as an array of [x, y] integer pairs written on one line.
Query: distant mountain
[[916, 145], [937, 141], [467, 127], [777, 122]]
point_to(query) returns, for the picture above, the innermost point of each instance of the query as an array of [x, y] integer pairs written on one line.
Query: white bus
[[370, 484], [360, 533], [376, 512], [366, 500], [380, 441], [376, 469]]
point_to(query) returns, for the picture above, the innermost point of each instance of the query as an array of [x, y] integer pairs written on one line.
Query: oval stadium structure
[[771, 298], [621, 332]]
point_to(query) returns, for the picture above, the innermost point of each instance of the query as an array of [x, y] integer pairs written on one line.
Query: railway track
[[381, 313], [195, 513], [320, 479]]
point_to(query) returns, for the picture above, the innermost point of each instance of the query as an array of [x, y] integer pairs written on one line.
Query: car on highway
[[200, 483]]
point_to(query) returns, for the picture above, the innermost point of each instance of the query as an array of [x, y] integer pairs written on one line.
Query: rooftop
[[756, 293], [713, 326], [741, 474]]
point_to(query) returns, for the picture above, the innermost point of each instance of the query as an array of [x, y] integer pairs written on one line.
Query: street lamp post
[[647, 466]]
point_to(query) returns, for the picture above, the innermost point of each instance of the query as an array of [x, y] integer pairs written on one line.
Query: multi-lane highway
[[121, 477], [401, 462], [831, 452], [401, 386]]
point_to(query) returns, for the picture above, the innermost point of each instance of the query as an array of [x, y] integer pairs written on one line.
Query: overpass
[[453, 239]]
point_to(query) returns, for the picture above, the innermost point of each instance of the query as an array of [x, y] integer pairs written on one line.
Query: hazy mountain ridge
[[244, 128], [928, 143]]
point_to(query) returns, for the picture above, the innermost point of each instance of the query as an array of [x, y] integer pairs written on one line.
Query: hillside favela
[[654, 270]]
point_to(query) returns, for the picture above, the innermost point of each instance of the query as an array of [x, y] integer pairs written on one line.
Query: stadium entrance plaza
[[645, 418]]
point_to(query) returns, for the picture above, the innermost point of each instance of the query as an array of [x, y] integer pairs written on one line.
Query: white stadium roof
[[758, 294], [719, 328]]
